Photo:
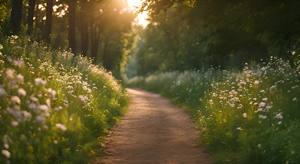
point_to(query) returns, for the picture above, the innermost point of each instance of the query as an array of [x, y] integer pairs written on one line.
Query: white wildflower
[[83, 99], [279, 116], [15, 112], [294, 87], [44, 108], [242, 82], [40, 119], [18, 63], [231, 104], [256, 82], [2, 92], [32, 106], [240, 106], [39, 82], [14, 37], [52, 93], [262, 105], [1, 46], [15, 100], [6, 146], [48, 103], [14, 123], [6, 153], [58, 108], [20, 78], [294, 99], [10, 74], [33, 98], [21, 92], [268, 107], [233, 92], [61, 127], [262, 117], [265, 99], [273, 89], [245, 115], [27, 116], [239, 128]]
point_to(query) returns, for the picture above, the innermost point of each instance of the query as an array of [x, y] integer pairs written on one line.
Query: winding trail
[[153, 132]]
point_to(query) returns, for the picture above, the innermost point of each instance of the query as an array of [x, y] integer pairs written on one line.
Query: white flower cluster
[[252, 95], [42, 96]]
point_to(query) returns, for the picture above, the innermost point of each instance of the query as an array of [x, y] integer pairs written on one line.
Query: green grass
[[249, 116], [54, 107]]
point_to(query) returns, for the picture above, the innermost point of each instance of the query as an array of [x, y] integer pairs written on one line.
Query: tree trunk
[[95, 37], [84, 28], [84, 39], [107, 61], [16, 16], [48, 24], [30, 16], [72, 17]]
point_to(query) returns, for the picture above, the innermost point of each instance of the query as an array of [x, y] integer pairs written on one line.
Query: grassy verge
[[249, 116], [54, 107]]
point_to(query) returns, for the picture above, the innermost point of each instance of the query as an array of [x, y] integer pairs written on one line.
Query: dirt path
[[153, 131]]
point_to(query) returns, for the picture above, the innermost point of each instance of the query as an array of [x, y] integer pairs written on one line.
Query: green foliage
[[54, 107], [248, 116], [101, 28], [4, 13], [218, 33]]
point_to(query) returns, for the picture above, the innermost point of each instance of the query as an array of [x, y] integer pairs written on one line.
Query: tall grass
[[249, 116], [54, 107]]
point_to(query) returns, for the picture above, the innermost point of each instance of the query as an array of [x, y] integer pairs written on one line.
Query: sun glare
[[141, 18], [134, 4]]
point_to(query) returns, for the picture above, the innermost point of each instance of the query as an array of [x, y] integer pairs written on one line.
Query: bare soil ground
[[153, 132]]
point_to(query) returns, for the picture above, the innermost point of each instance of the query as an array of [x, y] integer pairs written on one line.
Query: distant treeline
[[192, 34]]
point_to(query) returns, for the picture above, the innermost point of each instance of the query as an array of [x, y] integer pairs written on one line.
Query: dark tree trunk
[[107, 61], [84, 28], [30, 16], [95, 37], [16, 16], [48, 24], [84, 38], [72, 23]]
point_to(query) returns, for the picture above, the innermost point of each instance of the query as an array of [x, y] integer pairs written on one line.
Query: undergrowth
[[248, 116], [54, 107]]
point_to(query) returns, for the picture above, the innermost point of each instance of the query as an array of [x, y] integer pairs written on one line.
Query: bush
[[54, 107], [250, 116]]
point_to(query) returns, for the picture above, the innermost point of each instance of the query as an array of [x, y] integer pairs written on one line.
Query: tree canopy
[[94, 28], [219, 33]]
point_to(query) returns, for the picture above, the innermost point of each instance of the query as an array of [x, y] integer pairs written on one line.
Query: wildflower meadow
[[248, 116], [54, 107]]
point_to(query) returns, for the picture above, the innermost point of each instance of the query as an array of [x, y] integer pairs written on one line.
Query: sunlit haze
[[141, 18]]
